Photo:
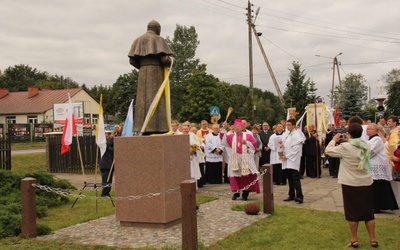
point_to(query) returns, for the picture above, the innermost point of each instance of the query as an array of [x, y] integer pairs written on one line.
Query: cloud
[[88, 41]]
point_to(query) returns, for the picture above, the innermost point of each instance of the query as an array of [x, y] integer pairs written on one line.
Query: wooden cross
[[293, 113]]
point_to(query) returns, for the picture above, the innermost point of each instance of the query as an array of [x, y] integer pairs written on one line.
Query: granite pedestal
[[146, 166]]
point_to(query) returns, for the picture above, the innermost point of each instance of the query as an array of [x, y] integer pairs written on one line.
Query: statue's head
[[154, 26]]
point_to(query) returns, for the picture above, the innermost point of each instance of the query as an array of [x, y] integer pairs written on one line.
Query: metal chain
[[211, 193], [63, 192], [68, 192]]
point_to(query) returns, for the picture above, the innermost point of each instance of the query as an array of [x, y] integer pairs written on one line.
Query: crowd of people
[[362, 156]]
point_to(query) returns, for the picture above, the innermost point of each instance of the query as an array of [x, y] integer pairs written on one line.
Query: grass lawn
[[295, 228], [28, 162]]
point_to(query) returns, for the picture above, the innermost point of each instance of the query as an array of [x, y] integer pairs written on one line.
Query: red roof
[[20, 103]]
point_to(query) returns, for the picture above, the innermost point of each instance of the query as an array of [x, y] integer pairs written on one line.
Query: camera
[[341, 131]]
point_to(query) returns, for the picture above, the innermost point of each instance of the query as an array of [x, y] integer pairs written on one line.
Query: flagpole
[[80, 158], [112, 168], [316, 141], [95, 166]]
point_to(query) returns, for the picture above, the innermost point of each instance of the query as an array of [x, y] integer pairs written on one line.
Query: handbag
[[396, 176]]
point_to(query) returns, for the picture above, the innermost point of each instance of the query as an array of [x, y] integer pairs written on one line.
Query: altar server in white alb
[[195, 153], [279, 177], [292, 145], [242, 170], [214, 150]]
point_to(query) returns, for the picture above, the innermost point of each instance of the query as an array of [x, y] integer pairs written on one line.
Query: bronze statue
[[150, 53]]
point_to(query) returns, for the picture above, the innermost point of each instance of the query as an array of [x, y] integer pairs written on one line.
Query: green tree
[[369, 110], [392, 85], [297, 89], [121, 94], [201, 90], [393, 101], [353, 96], [20, 77], [391, 77], [57, 82], [268, 107], [240, 95], [184, 45], [224, 97]]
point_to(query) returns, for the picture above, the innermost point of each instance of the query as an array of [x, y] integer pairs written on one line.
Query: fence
[[5, 149], [70, 162]]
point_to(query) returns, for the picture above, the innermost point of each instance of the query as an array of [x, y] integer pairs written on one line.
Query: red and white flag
[[336, 116], [69, 128]]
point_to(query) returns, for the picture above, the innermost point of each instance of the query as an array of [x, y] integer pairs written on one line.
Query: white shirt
[[292, 148], [380, 166], [273, 144], [213, 142]]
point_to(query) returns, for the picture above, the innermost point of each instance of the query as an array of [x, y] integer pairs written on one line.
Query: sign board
[[214, 111], [214, 119], [60, 111], [40, 129], [19, 131], [2, 131]]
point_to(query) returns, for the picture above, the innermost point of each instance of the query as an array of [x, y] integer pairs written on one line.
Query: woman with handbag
[[356, 181]]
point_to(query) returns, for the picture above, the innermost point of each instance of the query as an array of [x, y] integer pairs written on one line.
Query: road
[[27, 151]]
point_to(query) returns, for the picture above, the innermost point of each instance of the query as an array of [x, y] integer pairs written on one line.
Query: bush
[[252, 209], [10, 196]]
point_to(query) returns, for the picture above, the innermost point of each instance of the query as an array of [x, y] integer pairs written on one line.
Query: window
[[95, 118], [11, 119], [87, 118], [32, 119]]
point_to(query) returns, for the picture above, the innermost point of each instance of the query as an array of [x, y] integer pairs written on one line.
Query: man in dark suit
[[265, 133], [312, 153], [328, 138], [105, 163]]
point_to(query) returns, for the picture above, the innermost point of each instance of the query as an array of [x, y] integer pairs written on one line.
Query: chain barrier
[[69, 192], [212, 193]]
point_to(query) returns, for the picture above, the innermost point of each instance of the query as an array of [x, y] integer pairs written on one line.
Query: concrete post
[[189, 215], [28, 200], [268, 189]]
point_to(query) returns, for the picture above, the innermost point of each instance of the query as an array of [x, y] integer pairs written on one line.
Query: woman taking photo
[[356, 181]]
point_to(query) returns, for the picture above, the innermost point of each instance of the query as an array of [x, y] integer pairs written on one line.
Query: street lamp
[[335, 62]]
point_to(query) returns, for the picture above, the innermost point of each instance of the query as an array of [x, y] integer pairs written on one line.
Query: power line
[[307, 68], [326, 35], [363, 63], [321, 21], [284, 50], [211, 9], [229, 3]]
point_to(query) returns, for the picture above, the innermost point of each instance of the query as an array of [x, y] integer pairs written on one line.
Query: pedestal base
[[148, 173]]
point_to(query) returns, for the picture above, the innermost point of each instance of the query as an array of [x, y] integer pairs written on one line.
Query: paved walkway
[[320, 194]]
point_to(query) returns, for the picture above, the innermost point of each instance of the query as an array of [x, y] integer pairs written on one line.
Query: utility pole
[[249, 21], [271, 73], [335, 64]]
